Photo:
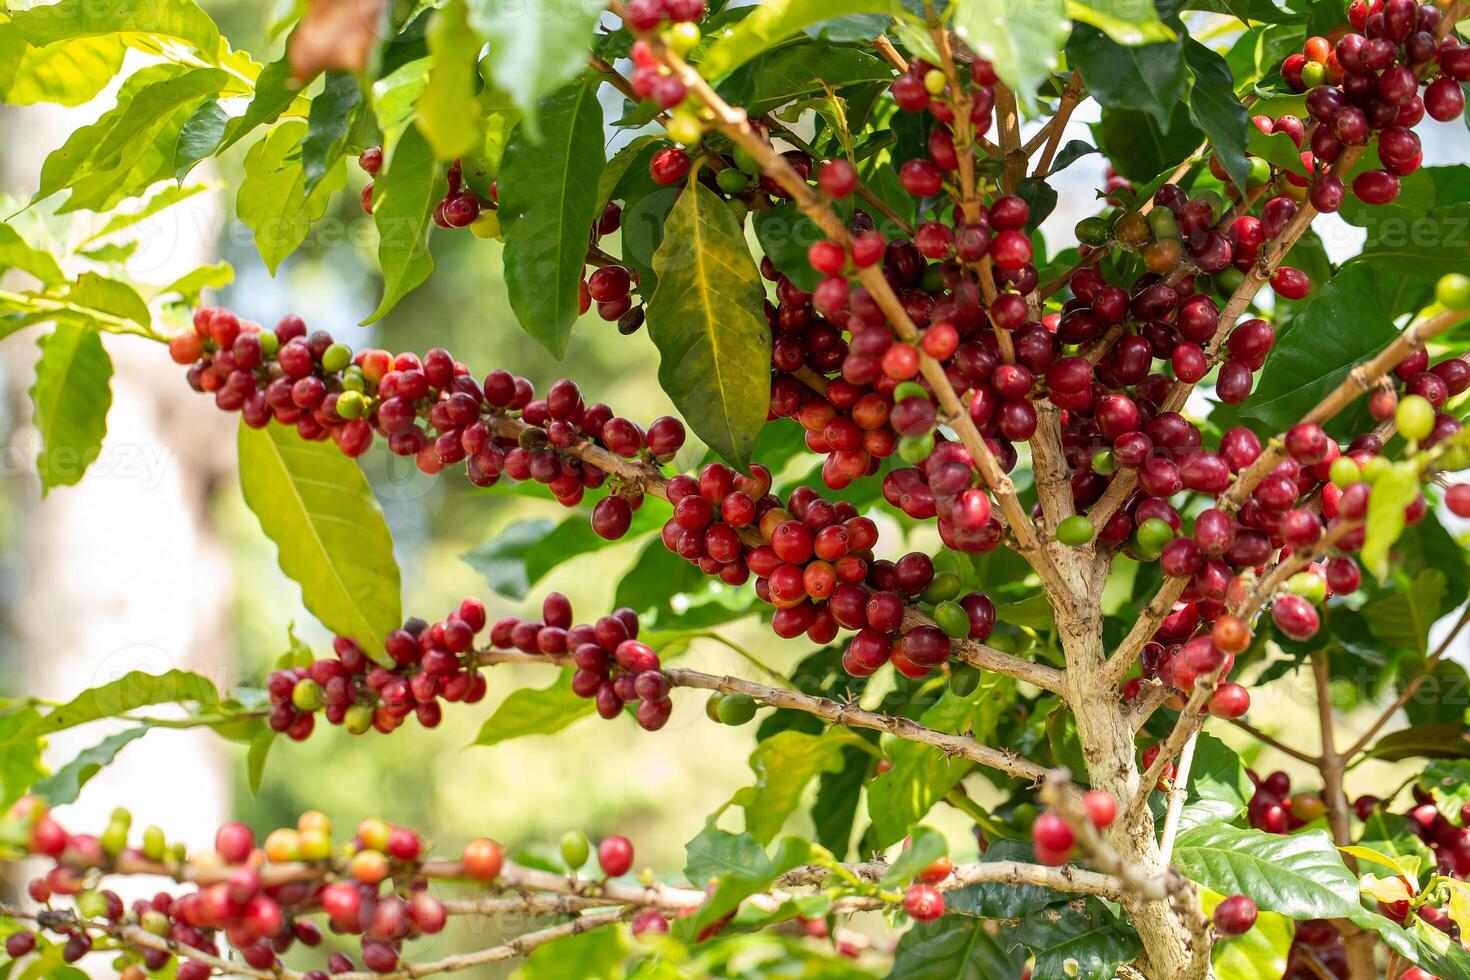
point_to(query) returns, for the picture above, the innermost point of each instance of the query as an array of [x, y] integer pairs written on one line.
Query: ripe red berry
[[1052, 833], [668, 166], [923, 903], [482, 860], [1102, 809], [1235, 915], [1457, 498], [837, 178], [234, 842], [615, 855]]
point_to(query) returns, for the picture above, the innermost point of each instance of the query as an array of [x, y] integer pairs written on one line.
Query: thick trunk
[[1108, 745]]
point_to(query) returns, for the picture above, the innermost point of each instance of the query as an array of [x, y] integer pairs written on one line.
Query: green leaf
[[1313, 355], [1148, 78], [327, 126], [1001, 899], [1219, 786], [775, 21], [71, 396], [1301, 876], [706, 318], [1404, 618], [179, 20], [404, 197], [574, 537], [1141, 149], [20, 752], [200, 136], [1090, 943], [133, 690], [922, 774], [925, 846], [191, 284], [1216, 111], [502, 559], [595, 953], [656, 577], [1392, 492], [1258, 954], [94, 296], [1423, 741], [396, 96], [834, 810], [16, 253], [1449, 784], [536, 47], [260, 749], [738, 883], [548, 200], [956, 947], [716, 853], [273, 202], [67, 73], [529, 711], [1278, 149], [1022, 41], [442, 110], [1389, 834], [785, 235], [1428, 247], [796, 70], [275, 89], [65, 785], [316, 505], [783, 765], [1125, 21]]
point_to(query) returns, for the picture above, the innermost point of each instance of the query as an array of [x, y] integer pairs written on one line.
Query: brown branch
[[1053, 130], [1276, 743]]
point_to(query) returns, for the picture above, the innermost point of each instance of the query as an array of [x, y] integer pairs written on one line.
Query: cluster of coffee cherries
[[239, 899], [460, 207], [614, 668], [1367, 83], [430, 662], [320, 387]]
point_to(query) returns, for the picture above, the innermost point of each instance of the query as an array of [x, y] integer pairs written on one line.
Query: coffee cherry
[[482, 859], [1457, 498], [923, 903], [615, 856], [234, 842], [1075, 531], [837, 179], [1415, 417], [668, 166], [1235, 915], [1051, 833], [1102, 809]]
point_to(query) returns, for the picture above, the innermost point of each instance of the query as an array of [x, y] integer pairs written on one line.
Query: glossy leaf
[[327, 125], [956, 947], [68, 72], [536, 47], [548, 200], [273, 202], [444, 109], [532, 711], [783, 765], [1219, 786], [1404, 618], [65, 784], [594, 953], [71, 396], [777, 20], [405, 194], [1021, 40], [1125, 21], [1258, 954], [178, 20], [1149, 77], [1216, 111], [706, 319], [17, 253], [316, 505], [1392, 492], [1447, 741], [502, 559], [135, 689], [1090, 943]]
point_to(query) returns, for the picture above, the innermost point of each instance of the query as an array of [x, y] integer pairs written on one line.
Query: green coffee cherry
[[114, 838], [269, 343], [908, 389], [314, 844], [682, 37], [154, 844], [1415, 417], [685, 128], [1103, 463], [935, 81], [1095, 231], [1345, 471], [1153, 534], [487, 225], [732, 180], [746, 161], [916, 449], [353, 380], [358, 719], [306, 695], [336, 357], [1075, 531], [1309, 586], [1453, 291], [351, 405], [1162, 221], [951, 617], [736, 709], [931, 280], [91, 905], [944, 585], [155, 922], [1375, 468], [712, 708], [574, 849], [1228, 280]]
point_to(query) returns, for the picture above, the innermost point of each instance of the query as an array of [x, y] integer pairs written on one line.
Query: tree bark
[[1171, 950]]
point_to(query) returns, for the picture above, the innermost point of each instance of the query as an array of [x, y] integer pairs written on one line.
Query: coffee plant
[[1044, 516]]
